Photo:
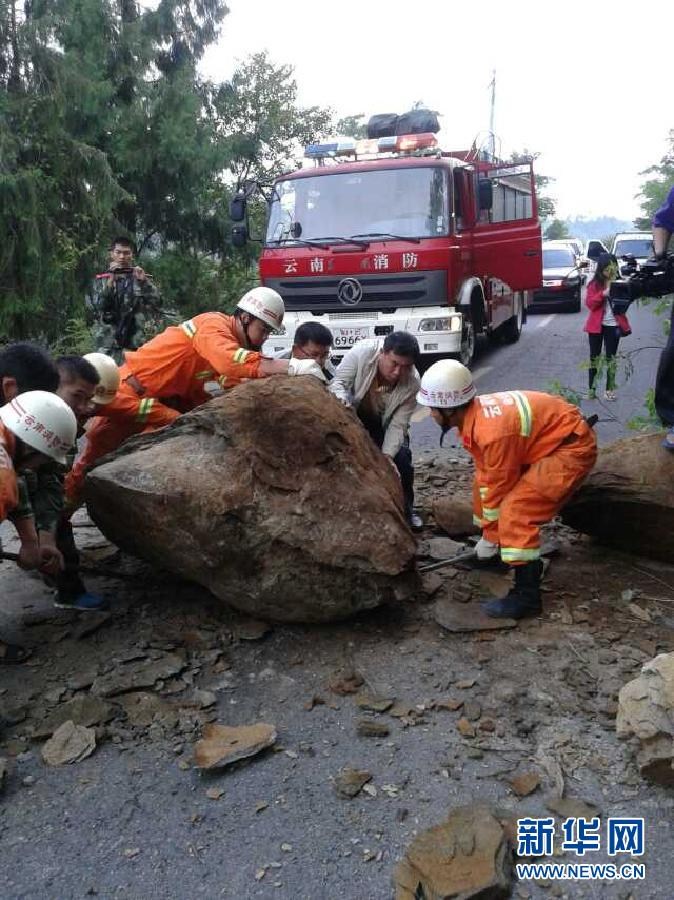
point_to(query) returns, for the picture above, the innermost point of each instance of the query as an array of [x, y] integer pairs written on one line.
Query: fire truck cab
[[395, 234]]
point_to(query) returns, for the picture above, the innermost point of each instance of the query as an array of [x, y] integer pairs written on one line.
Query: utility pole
[[492, 136]]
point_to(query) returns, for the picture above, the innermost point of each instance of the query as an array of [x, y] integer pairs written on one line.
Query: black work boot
[[489, 563], [524, 599]]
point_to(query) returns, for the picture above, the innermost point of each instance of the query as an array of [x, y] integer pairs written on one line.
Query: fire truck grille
[[384, 292]]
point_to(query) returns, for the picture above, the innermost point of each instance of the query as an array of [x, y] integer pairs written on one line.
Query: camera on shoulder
[[655, 278]]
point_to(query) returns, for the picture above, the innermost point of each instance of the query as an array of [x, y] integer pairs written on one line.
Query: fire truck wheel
[[512, 329], [467, 353]]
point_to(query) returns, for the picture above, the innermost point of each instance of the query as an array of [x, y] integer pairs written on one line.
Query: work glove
[[305, 367], [485, 549]]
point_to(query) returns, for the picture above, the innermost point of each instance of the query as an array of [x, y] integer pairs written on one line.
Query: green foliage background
[[106, 128]]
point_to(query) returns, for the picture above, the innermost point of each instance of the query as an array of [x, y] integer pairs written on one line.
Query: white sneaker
[[610, 395]]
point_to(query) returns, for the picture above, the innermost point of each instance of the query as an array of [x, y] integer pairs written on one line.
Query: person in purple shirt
[[663, 227]]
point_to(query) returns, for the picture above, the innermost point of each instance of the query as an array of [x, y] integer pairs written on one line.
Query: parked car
[[562, 277], [576, 246], [638, 244]]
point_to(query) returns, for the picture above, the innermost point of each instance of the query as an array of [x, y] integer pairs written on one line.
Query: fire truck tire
[[512, 329], [467, 353]]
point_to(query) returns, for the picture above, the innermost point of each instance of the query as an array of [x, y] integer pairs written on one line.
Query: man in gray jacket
[[379, 381]]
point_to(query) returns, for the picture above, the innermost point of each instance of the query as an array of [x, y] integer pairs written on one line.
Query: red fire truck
[[396, 234]]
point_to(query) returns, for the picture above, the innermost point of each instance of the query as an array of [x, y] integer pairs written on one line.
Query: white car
[[638, 244]]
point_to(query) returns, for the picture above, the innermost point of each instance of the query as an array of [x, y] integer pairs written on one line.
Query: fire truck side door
[[507, 237]]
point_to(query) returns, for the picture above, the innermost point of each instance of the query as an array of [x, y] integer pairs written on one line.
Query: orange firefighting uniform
[[531, 452], [179, 369], [9, 493]]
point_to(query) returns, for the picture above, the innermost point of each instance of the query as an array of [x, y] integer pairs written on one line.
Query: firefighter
[[35, 428], [25, 367], [85, 384], [531, 451], [182, 368], [41, 492]]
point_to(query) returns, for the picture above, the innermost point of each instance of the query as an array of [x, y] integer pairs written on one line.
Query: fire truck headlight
[[446, 323]]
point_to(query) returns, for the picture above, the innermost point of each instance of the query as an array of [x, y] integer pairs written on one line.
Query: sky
[[576, 82]]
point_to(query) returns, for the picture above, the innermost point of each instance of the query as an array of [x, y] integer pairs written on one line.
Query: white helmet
[[446, 384], [43, 421], [264, 303], [108, 373]]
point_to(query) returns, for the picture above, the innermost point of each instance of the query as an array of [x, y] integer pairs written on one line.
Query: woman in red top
[[603, 325]]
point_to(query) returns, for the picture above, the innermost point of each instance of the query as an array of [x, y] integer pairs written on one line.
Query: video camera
[[655, 278]]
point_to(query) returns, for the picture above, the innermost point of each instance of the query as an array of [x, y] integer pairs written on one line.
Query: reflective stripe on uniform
[[144, 408], [240, 355], [491, 515], [189, 328], [524, 411], [477, 520], [515, 554], [202, 376], [483, 492]]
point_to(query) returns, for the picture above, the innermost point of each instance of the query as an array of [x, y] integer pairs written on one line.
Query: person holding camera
[[127, 304], [605, 325], [663, 227]]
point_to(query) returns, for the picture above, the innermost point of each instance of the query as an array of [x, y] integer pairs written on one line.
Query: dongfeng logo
[[349, 291]]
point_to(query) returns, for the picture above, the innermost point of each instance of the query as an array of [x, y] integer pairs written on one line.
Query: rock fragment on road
[[646, 712], [467, 856], [223, 745], [70, 743]]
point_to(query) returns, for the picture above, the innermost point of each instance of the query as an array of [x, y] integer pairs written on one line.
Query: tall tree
[[556, 230], [259, 122], [77, 77], [655, 188], [351, 126]]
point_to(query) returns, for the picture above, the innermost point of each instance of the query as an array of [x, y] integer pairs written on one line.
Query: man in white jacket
[[379, 381]]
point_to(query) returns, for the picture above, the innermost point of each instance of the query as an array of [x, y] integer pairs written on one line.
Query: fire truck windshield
[[400, 202]]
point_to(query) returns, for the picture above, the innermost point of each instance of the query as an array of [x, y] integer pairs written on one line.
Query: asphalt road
[[554, 348], [134, 820]]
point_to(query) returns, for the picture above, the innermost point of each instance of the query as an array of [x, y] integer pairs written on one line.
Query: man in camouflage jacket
[[127, 304]]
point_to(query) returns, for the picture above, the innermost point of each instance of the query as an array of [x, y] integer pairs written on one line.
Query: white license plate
[[347, 337]]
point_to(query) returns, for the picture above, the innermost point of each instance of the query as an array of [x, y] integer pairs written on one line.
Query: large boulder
[[628, 499], [646, 712], [272, 496]]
